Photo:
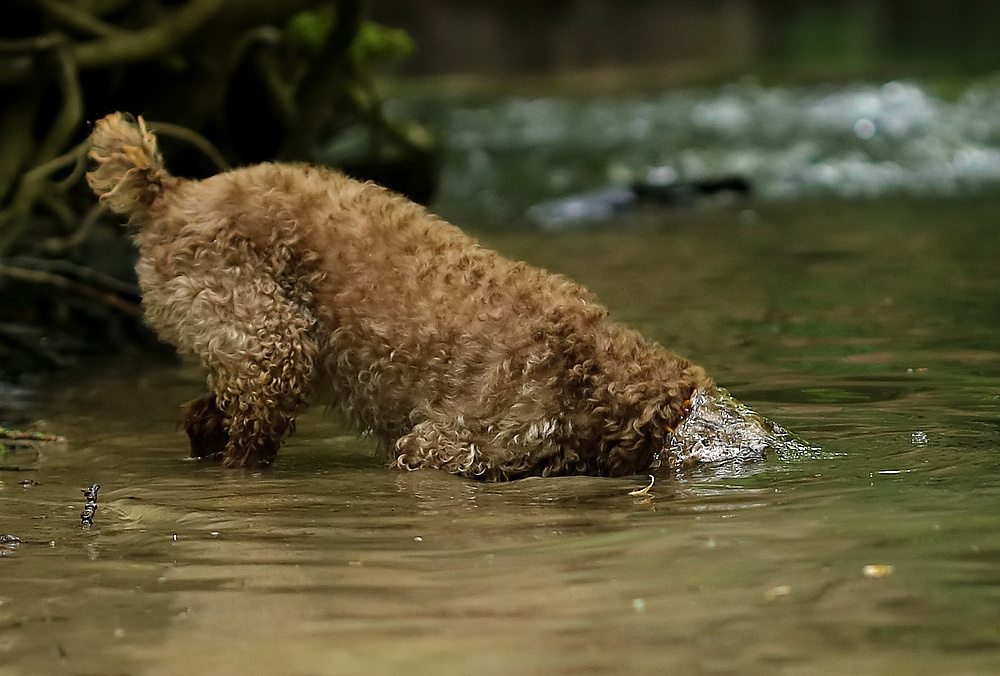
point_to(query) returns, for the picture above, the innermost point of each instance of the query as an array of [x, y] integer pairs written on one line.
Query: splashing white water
[[858, 141]]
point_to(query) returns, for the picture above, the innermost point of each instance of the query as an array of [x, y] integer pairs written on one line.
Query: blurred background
[[798, 195], [546, 117], [678, 41]]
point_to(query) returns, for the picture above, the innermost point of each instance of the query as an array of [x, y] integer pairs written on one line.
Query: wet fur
[[286, 280]]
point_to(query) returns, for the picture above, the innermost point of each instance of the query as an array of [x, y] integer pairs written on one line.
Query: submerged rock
[[720, 428]]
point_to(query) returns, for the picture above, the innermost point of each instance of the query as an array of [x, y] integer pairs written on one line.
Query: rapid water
[[862, 140]]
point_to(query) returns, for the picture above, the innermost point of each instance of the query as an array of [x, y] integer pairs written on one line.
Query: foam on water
[[863, 140]]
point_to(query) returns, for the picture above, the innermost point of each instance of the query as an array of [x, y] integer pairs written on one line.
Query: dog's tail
[[129, 174]]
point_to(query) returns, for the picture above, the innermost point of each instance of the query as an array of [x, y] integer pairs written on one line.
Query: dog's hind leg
[[260, 390], [255, 336]]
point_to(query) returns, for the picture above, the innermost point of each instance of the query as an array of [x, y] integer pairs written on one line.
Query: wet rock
[[719, 428]]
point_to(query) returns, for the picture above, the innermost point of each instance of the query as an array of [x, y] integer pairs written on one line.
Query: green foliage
[[830, 35], [373, 45], [310, 28], [377, 44]]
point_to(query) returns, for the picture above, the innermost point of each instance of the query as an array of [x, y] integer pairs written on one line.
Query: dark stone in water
[[602, 205]]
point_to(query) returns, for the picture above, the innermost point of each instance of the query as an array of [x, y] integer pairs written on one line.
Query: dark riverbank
[[685, 41]]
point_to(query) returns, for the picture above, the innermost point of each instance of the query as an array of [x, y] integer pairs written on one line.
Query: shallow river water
[[872, 328]]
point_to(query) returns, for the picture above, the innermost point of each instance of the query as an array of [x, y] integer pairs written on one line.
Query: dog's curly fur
[[283, 279]]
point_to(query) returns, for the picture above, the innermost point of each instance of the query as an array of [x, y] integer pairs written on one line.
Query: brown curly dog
[[285, 279]]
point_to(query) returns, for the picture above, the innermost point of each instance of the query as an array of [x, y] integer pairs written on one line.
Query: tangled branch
[[231, 81], [63, 283]]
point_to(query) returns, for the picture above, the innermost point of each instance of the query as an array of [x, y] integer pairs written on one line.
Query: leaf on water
[[644, 491], [778, 592], [877, 570]]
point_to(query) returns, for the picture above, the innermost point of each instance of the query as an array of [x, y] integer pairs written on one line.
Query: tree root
[[63, 283]]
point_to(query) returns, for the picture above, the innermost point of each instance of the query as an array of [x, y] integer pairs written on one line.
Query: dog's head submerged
[[719, 428]]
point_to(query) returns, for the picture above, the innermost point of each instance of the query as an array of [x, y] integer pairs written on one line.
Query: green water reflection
[[871, 328]]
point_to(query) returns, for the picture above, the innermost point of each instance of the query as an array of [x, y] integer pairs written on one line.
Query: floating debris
[[778, 592], [877, 570], [645, 490], [87, 515], [19, 450], [8, 543], [8, 434]]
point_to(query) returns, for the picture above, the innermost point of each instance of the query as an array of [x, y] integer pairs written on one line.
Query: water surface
[[869, 327]]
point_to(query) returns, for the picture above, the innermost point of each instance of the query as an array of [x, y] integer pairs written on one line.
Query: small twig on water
[[87, 515], [18, 435]]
